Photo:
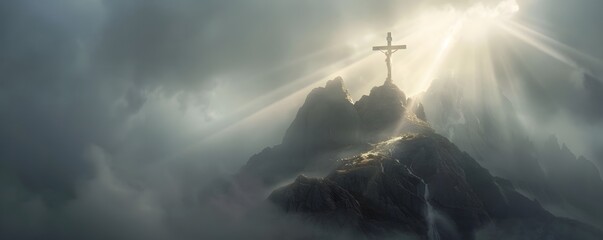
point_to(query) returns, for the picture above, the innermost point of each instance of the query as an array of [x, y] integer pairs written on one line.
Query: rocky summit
[[381, 111], [326, 127], [330, 126], [386, 171], [326, 120]]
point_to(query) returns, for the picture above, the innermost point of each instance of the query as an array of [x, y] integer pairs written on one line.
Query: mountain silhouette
[[380, 169]]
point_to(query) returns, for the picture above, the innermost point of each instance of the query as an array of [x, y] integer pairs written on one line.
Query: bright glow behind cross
[[472, 46]]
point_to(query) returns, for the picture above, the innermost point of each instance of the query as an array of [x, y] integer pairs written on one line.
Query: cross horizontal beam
[[385, 48]]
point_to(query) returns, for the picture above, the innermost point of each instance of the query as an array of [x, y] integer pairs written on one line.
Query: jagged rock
[[419, 183], [390, 181], [323, 199], [565, 171], [490, 131], [329, 127], [390, 197], [375, 194], [327, 120], [382, 111], [420, 112], [326, 128]]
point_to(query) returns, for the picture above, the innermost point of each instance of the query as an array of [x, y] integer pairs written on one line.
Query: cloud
[[96, 97], [74, 72]]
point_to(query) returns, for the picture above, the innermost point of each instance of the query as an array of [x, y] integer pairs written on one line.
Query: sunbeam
[[551, 43], [432, 36]]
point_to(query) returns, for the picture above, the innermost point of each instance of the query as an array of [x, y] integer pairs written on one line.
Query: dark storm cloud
[[83, 124], [64, 65], [42, 132], [72, 72]]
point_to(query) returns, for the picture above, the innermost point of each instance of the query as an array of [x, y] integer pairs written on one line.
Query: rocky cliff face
[[418, 183], [330, 126], [491, 132], [326, 127], [382, 111], [576, 179], [397, 175], [327, 120]]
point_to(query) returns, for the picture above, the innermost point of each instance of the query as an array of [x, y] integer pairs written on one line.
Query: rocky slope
[[326, 127], [489, 130], [402, 177], [397, 175], [330, 126], [327, 120], [418, 183], [380, 112]]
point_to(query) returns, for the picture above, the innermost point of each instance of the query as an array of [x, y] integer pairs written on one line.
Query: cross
[[389, 50]]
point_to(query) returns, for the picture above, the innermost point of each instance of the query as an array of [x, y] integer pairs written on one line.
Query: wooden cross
[[389, 50]]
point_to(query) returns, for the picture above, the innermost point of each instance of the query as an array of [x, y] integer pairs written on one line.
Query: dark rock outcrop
[[420, 112], [389, 184], [325, 200], [326, 127], [327, 120], [329, 126], [576, 179], [489, 129], [384, 196], [410, 180], [382, 111]]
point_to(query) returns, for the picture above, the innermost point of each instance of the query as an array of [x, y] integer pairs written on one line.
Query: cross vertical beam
[[388, 51]]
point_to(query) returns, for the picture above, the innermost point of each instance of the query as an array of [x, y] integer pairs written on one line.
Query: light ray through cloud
[[430, 36], [543, 39], [442, 42], [521, 35]]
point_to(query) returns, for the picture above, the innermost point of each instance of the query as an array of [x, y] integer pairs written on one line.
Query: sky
[[113, 114]]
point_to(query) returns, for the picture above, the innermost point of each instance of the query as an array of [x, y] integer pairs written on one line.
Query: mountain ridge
[[393, 174]]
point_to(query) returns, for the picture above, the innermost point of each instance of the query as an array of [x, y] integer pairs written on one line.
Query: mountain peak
[[327, 119], [337, 83], [383, 169], [382, 111]]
